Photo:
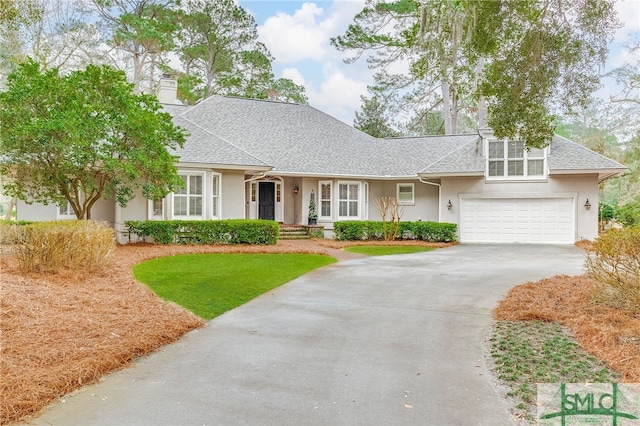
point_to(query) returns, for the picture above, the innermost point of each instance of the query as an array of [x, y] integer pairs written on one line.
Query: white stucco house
[[260, 159]]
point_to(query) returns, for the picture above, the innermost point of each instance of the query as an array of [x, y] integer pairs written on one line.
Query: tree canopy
[[80, 137], [511, 64]]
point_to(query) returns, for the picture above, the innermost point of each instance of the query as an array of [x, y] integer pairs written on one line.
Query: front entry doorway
[[266, 197]]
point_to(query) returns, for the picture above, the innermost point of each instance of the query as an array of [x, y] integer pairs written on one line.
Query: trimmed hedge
[[232, 231], [372, 230]]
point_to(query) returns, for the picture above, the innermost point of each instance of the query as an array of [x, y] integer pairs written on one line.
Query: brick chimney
[[167, 91]]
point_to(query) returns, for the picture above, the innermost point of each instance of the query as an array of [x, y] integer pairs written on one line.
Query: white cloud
[[292, 38], [629, 15], [301, 40], [294, 75], [338, 96]]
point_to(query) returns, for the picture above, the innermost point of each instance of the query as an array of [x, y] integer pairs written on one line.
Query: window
[[325, 199], [254, 190], [405, 193], [65, 210], [215, 189], [156, 209], [187, 201], [510, 159], [348, 196]]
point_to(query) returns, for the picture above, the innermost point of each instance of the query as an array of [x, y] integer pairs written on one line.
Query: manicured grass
[[211, 284], [386, 250], [528, 352]]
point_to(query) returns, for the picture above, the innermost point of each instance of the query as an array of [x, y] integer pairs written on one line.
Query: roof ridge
[[428, 136], [226, 141]]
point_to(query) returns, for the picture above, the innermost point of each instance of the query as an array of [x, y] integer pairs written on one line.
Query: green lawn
[[386, 250], [211, 284]]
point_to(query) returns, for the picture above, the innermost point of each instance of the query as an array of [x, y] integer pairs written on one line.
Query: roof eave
[[603, 174], [341, 175], [252, 168], [427, 175]]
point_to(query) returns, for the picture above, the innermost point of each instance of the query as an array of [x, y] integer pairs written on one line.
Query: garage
[[517, 220]]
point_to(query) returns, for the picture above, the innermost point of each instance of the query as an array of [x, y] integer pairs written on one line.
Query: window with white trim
[[65, 211], [215, 189], [187, 201], [254, 190], [405, 193], [325, 199], [348, 200], [511, 160], [156, 209]]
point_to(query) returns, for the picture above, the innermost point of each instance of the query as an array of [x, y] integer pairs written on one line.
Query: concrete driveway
[[395, 340]]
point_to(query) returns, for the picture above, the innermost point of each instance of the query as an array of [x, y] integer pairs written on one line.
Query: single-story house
[[252, 159]]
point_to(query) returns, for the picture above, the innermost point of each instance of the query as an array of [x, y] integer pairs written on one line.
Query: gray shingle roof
[[299, 139], [203, 146], [567, 155]]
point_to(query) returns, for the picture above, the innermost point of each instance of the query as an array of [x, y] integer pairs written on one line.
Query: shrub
[[232, 231], [605, 211], [77, 245], [614, 264], [10, 231], [629, 214], [372, 230]]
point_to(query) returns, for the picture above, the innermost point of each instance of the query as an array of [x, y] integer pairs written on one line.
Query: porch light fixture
[[296, 189], [587, 205], [449, 205]]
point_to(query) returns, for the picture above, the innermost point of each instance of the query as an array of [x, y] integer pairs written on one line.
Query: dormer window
[[511, 160]]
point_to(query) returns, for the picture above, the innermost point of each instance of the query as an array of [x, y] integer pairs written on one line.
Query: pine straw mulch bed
[[61, 331], [611, 335]]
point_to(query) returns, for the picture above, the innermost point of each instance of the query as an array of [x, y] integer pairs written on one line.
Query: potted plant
[[313, 212]]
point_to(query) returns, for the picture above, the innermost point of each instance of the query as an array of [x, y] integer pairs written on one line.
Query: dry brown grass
[[61, 331], [612, 335]]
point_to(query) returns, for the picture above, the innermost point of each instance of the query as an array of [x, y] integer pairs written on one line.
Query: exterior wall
[[578, 187], [232, 195], [36, 212], [425, 206]]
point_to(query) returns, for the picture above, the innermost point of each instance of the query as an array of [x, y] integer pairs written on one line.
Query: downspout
[[420, 178]]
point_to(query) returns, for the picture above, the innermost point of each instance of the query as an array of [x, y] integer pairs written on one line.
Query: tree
[[510, 63], [84, 136], [143, 31], [372, 119], [220, 54], [14, 16]]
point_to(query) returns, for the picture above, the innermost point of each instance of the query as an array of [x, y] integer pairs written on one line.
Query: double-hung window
[[348, 200], [187, 201], [405, 193], [325, 199], [511, 160]]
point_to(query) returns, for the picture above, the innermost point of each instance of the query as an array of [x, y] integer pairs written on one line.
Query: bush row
[[372, 230], [80, 245], [231, 231]]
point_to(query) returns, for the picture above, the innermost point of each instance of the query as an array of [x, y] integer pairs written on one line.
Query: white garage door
[[517, 220]]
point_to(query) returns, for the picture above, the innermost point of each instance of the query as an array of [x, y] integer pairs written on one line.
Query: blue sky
[[297, 33]]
